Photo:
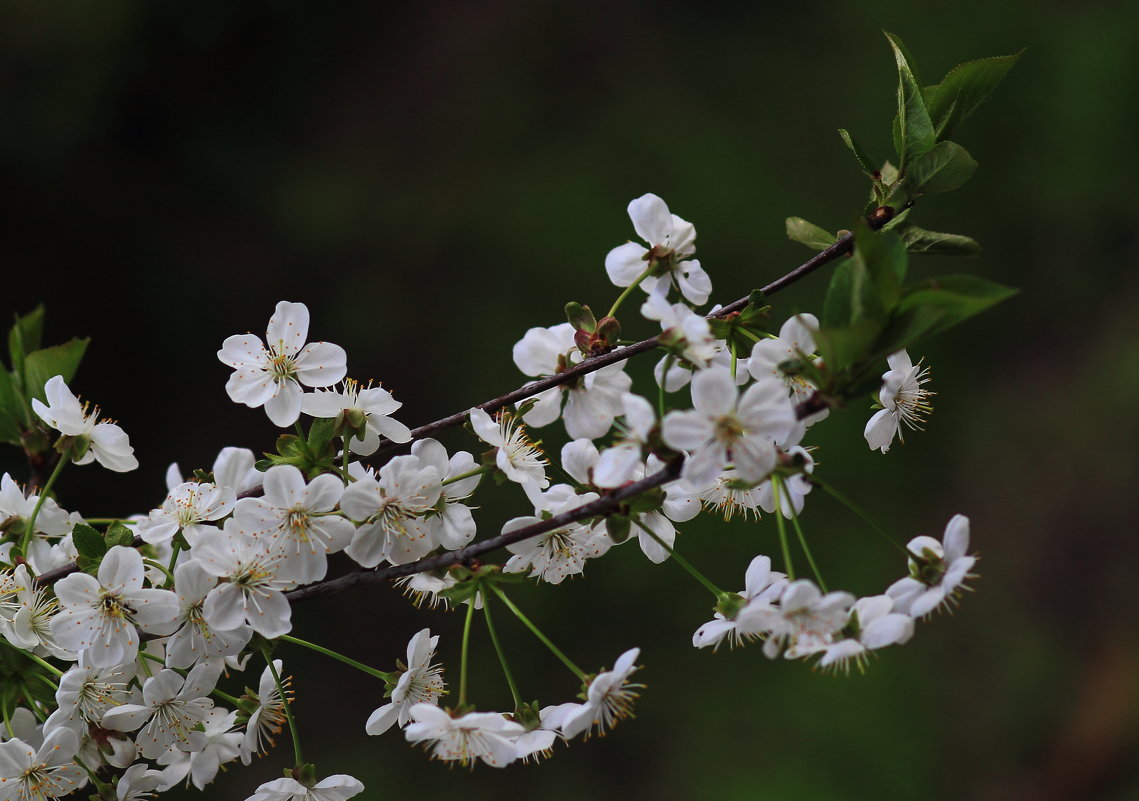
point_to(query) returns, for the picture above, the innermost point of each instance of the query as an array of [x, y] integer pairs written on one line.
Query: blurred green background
[[432, 179]]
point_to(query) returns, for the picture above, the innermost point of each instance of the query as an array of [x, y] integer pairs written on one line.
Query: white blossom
[[100, 615], [172, 710], [609, 699], [271, 375], [107, 442], [268, 718], [420, 682], [334, 788], [904, 399], [188, 508], [488, 736], [373, 405], [762, 586], [938, 570], [559, 553], [516, 455], [875, 626], [28, 773], [291, 518], [671, 242], [393, 510], [196, 640], [727, 428]]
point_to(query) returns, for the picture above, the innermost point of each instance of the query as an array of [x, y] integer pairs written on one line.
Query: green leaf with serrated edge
[[24, 337], [118, 534], [962, 90], [88, 542], [919, 240], [62, 360], [943, 169], [320, 434], [896, 221], [864, 160], [914, 130], [809, 234], [932, 306], [12, 409]]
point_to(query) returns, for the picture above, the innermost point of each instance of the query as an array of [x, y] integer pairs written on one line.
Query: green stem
[[621, 298], [45, 680], [782, 531], [104, 790], [175, 549], [752, 336], [8, 719], [229, 699], [344, 465], [734, 359], [39, 504], [478, 471], [680, 560], [465, 653], [537, 633], [48, 666], [106, 521], [803, 540], [668, 362], [501, 654], [827, 488], [287, 704], [320, 649], [159, 566]]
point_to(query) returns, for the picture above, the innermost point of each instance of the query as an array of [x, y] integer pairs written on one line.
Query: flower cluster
[[168, 605]]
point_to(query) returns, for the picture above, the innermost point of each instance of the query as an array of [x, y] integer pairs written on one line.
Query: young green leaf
[[919, 240], [41, 365], [962, 90], [23, 338], [912, 125], [809, 234], [864, 160], [88, 542], [937, 304], [12, 409], [943, 169], [118, 534]]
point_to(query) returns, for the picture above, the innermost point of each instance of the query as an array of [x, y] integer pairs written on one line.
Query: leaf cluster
[[31, 367]]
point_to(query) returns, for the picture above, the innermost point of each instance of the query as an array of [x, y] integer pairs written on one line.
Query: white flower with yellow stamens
[[293, 519], [106, 443], [420, 682], [393, 510], [519, 458], [100, 615], [609, 700], [271, 375], [904, 401], [370, 407], [187, 508]]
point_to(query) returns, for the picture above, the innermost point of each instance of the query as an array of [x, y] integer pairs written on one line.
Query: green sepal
[[74, 448], [41, 365], [118, 534], [963, 89], [944, 168], [913, 129], [528, 715], [730, 604], [919, 240], [752, 319], [809, 234]]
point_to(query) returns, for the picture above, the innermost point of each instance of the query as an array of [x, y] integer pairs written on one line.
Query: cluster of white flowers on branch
[[122, 635]]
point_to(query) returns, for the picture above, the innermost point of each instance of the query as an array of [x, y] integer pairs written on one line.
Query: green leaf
[[809, 234], [919, 240], [913, 127], [842, 346], [88, 542], [943, 169], [885, 256], [937, 304], [25, 336], [864, 160], [12, 409], [41, 365], [118, 534], [962, 90]]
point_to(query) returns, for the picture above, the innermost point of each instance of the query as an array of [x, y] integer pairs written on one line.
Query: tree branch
[[841, 246]]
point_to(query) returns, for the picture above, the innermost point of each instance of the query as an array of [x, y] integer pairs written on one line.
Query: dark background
[[432, 179]]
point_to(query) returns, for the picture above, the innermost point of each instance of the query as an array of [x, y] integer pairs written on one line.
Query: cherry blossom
[[106, 443], [904, 399], [671, 242], [271, 375]]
